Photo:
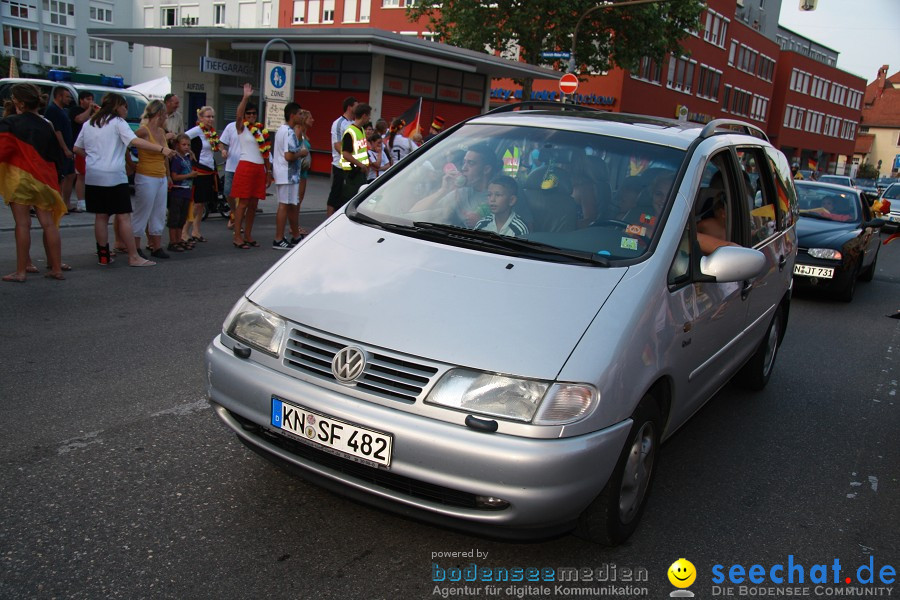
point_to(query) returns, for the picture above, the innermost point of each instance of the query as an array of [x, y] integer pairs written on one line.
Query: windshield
[[837, 179], [136, 102], [893, 192], [544, 193], [820, 202]]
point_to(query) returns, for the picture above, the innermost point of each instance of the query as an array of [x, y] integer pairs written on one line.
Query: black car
[[838, 238]]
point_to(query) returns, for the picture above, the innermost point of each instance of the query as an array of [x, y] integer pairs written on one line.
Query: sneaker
[[282, 244], [81, 206], [159, 253], [296, 240]]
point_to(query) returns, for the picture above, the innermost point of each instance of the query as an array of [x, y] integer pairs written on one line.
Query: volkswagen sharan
[[498, 333]]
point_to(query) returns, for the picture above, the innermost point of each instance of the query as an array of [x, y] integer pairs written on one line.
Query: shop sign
[[208, 64]]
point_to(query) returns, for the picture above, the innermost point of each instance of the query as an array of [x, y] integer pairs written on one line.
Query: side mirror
[[733, 263], [876, 222]]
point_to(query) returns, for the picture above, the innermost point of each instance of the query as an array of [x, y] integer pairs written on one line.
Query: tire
[[223, 208], [756, 373], [869, 273], [614, 514]]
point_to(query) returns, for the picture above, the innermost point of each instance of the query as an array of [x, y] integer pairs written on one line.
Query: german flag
[[29, 155], [412, 118]]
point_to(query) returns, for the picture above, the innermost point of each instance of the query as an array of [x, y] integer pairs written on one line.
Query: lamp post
[[571, 68]]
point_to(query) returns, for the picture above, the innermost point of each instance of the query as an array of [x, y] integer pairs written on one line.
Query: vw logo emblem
[[348, 364]]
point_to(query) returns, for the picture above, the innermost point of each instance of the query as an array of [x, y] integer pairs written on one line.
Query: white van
[[499, 332]]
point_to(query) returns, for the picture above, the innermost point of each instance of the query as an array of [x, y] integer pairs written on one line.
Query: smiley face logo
[[682, 573]]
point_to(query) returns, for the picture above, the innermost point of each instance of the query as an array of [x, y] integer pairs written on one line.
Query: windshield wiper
[[505, 242]]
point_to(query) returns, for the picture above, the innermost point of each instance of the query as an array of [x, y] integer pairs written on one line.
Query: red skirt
[[249, 181]]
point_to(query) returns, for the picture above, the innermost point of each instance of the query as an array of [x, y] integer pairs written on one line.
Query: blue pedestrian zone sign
[[277, 77]]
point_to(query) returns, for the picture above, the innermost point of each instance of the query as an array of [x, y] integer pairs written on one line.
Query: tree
[[607, 37], [867, 171]]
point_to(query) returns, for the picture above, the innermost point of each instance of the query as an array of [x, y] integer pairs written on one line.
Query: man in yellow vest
[[355, 152]]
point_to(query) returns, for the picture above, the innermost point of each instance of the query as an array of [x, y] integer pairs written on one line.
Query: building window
[[189, 15], [793, 117], [814, 121], [365, 10], [101, 13], [19, 10], [800, 81], [165, 57], [59, 13], [328, 11], [848, 130], [266, 13], [649, 70], [169, 16], [746, 59], [390, 3], [60, 48], [854, 99], [218, 14], [715, 28], [708, 82], [299, 11], [759, 108], [838, 93], [100, 50], [737, 101], [766, 68], [314, 14], [681, 74], [21, 43]]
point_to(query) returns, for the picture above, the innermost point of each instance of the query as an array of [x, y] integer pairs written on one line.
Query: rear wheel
[[613, 515], [755, 374]]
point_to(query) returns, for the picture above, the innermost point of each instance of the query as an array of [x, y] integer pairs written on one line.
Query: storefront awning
[[329, 39]]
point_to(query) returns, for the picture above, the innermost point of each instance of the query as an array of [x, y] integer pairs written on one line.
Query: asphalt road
[[119, 482]]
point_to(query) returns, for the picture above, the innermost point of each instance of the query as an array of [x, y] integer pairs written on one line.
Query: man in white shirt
[[337, 172], [286, 155]]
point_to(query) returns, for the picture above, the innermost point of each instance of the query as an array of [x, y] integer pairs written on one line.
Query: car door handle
[[781, 263], [745, 291]]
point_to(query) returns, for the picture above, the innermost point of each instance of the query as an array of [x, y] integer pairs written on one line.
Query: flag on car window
[[28, 175], [811, 164]]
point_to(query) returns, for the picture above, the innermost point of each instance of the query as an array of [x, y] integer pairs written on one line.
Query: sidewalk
[[317, 188]]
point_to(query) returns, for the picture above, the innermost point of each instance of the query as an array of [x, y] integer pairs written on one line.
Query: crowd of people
[[88, 148]]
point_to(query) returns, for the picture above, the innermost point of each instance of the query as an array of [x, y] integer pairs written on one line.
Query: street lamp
[[571, 68]]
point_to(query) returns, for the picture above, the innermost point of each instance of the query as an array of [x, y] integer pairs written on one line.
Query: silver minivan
[[500, 331]]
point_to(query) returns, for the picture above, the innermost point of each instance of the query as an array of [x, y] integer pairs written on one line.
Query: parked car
[[518, 383], [838, 237], [868, 187], [838, 180], [136, 101], [883, 183], [892, 194]]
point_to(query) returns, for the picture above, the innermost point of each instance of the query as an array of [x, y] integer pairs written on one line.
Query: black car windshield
[[543, 193], [136, 102], [827, 203]]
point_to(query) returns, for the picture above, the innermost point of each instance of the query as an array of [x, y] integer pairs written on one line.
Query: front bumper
[[437, 469], [837, 283]]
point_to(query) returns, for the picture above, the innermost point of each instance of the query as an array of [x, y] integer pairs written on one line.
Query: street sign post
[[279, 83], [568, 83]]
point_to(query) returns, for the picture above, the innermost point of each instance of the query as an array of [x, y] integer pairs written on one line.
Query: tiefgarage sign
[[209, 64]]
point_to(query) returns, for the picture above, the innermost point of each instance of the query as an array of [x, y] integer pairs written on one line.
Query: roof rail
[[533, 104], [749, 129]]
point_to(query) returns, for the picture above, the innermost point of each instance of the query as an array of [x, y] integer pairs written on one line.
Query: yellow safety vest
[[360, 148]]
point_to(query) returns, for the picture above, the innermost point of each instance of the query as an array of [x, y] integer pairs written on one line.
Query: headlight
[[827, 253], [257, 328], [511, 398]]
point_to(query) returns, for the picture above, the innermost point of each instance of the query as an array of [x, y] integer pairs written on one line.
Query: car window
[[571, 190], [136, 102], [757, 196], [785, 193], [829, 204], [893, 192]]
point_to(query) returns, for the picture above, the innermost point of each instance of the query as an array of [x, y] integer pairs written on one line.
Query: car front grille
[[380, 477], [386, 375]]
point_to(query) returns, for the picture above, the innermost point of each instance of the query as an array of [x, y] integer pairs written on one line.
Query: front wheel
[[756, 373], [614, 515]]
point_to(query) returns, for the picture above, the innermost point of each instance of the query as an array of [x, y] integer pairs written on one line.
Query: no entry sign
[[568, 83]]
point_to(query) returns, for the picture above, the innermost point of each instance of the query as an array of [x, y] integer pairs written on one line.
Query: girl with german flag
[[30, 157]]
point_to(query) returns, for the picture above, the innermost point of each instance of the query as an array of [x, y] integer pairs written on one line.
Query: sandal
[[242, 246], [52, 275], [32, 269], [62, 267], [175, 248], [195, 238], [253, 243], [14, 278]]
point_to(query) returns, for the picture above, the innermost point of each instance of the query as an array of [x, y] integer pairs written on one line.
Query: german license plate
[[893, 218], [810, 271], [340, 437]]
